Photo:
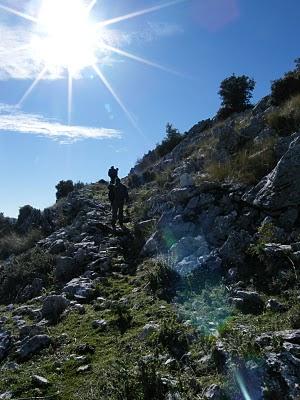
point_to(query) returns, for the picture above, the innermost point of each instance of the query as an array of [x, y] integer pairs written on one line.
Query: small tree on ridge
[[235, 92]]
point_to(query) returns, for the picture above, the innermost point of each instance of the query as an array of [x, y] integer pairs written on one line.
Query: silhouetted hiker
[[111, 193], [120, 196], [113, 174]]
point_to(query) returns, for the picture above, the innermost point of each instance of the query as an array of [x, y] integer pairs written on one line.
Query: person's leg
[[114, 214], [121, 213]]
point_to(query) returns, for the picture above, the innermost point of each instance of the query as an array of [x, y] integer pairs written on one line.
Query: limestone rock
[[187, 246], [53, 307], [182, 195], [5, 343], [233, 250], [57, 247], [281, 188], [152, 245], [248, 302], [186, 180], [33, 346], [214, 392], [40, 381], [64, 269], [274, 305], [100, 324], [81, 289], [148, 330]]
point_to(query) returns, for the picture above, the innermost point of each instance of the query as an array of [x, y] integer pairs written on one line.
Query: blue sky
[[197, 42]]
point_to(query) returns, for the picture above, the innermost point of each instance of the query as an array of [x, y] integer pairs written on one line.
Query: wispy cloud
[[157, 30], [12, 119]]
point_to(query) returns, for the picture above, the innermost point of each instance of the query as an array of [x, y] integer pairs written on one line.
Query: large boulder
[[33, 346], [64, 269], [187, 246], [248, 302], [53, 307], [5, 343], [281, 188], [234, 249], [182, 195], [81, 289]]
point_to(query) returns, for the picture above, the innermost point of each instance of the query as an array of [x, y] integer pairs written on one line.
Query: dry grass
[[248, 165], [286, 120], [17, 244]]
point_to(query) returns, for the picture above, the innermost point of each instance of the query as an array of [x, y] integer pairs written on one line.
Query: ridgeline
[[196, 298]]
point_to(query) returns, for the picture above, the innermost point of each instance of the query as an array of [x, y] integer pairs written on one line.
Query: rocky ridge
[[198, 298]]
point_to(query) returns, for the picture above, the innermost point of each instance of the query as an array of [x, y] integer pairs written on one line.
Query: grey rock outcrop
[[5, 343], [81, 289], [64, 269], [32, 346], [248, 302], [281, 188]]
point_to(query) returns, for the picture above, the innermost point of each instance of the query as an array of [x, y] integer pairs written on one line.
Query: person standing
[[119, 198]]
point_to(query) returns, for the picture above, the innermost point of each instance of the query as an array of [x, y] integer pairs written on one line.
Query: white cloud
[[12, 119], [156, 30]]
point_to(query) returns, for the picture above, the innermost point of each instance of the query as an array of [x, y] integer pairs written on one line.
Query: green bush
[[286, 87], [14, 244], [172, 337], [248, 165], [161, 279], [173, 138], [235, 92], [286, 120], [283, 125], [134, 181], [6, 225], [123, 316], [148, 176], [265, 234], [64, 188], [14, 276]]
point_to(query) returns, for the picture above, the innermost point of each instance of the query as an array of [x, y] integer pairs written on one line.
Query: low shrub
[[14, 244], [6, 225], [161, 279], [148, 176], [22, 270], [123, 317], [284, 88], [134, 181], [286, 120], [172, 139], [172, 337], [248, 165], [64, 188]]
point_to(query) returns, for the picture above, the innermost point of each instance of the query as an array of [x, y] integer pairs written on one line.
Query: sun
[[67, 38]]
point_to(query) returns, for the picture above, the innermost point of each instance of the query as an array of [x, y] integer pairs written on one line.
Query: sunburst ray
[[18, 13], [115, 96], [30, 89], [139, 59], [139, 13], [91, 6]]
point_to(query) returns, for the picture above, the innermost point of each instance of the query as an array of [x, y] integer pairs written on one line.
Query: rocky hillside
[[198, 298]]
